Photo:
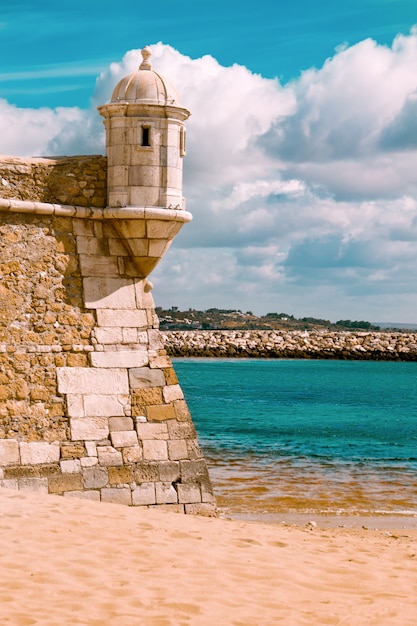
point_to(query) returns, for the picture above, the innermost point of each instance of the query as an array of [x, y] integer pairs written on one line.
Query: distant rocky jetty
[[322, 344]]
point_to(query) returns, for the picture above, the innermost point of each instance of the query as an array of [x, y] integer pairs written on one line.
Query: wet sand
[[65, 561]]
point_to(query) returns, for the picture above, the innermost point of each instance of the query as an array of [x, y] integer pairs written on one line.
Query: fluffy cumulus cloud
[[304, 195]]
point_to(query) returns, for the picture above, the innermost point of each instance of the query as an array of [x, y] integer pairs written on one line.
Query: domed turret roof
[[145, 86]]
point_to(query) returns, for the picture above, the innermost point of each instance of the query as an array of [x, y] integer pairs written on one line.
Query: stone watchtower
[[90, 405]]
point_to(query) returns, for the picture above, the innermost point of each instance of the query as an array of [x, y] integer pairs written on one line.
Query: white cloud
[[304, 196]]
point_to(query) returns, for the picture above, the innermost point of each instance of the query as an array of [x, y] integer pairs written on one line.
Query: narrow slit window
[[182, 142], [146, 136]]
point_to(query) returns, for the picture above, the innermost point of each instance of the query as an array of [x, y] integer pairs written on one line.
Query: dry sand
[[72, 562]]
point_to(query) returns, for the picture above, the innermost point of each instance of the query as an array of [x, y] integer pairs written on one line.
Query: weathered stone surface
[[96, 405], [109, 293], [177, 449], [117, 496], [108, 456], [172, 392], [120, 475], [95, 477], [165, 493], [83, 495], [124, 438], [130, 358], [39, 452], [89, 428], [65, 482], [75, 380], [152, 430], [144, 494], [155, 450], [9, 452], [122, 318], [70, 466], [120, 423], [142, 377], [39, 485], [160, 412], [188, 494]]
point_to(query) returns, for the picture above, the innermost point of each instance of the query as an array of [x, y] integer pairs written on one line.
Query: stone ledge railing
[[322, 344]]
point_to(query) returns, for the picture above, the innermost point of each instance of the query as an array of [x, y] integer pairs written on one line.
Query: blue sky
[[301, 167]]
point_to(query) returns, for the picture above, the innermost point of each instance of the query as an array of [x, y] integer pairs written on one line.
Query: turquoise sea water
[[305, 437]]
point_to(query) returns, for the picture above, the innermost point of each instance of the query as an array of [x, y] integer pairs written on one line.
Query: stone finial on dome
[[146, 55]]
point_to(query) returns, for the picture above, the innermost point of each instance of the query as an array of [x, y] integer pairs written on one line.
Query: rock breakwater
[[375, 346]]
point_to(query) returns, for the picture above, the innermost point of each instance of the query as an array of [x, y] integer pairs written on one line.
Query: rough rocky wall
[[376, 346], [43, 324], [78, 180]]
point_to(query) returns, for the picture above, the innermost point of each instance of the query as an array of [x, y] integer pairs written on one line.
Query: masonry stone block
[[120, 475], [151, 431], [75, 405], [108, 456], [177, 449], [124, 438], [205, 509], [188, 494], [122, 318], [109, 293], [162, 229], [9, 452], [98, 266], [70, 466], [39, 452], [159, 362], [160, 412], [158, 247], [95, 477], [132, 455], [155, 340], [181, 430], [165, 493], [144, 494], [89, 428], [39, 485], [146, 472], [120, 423], [130, 358], [9, 483], [88, 461], [172, 392], [71, 450], [155, 450], [83, 495], [91, 448], [84, 380], [108, 334], [104, 405], [117, 496], [194, 471], [169, 471], [129, 335], [65, 482]]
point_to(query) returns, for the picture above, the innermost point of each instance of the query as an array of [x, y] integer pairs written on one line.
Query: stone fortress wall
[[78, 180], [90, 405]]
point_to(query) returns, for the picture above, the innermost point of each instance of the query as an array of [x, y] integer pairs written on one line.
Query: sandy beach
[[69, 561]]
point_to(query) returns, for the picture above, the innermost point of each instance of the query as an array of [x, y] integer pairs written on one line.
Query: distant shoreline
[[296, 344]]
